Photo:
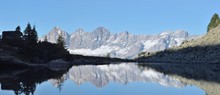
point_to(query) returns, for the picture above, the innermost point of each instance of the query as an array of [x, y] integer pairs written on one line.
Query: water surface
[[114, 79]]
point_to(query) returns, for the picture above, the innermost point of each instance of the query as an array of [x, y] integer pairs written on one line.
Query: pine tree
[[18, 29], [33, 35], [60, 40], [215, 21], [30, 35], [27, 32]]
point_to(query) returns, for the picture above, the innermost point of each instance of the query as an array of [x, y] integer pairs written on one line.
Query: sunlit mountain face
[[102, 42]]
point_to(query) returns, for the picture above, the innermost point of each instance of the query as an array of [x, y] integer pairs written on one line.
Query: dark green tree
[[27, 32], [60, 40], [215, 21], [30, 35], [18, 28], [33, 36]]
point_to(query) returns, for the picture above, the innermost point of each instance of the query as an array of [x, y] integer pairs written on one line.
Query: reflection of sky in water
[[133, 88]]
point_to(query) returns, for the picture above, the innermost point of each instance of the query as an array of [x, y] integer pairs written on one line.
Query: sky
[[135, 16]]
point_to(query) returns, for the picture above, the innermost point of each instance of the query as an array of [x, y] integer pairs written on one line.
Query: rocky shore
[[8, 58]]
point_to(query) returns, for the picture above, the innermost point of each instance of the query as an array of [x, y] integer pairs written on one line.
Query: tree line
[[30, 35], [30, 49]]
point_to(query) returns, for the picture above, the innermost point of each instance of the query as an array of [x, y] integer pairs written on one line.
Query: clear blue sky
[[135, 16]]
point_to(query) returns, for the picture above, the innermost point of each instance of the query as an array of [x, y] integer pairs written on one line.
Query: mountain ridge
[[102, 42]]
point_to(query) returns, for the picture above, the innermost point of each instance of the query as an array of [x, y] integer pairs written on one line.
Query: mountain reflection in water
[[28, 81], [101, 75]]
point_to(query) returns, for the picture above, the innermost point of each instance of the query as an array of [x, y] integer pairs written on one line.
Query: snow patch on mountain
[[149, 43], [101, 51]]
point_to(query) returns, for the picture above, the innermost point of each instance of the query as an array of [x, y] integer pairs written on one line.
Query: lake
[[113, 79]]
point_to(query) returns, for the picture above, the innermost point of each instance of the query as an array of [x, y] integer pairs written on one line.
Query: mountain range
[[102, 42]]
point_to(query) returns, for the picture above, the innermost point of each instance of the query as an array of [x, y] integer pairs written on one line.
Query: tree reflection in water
[[24, 80]]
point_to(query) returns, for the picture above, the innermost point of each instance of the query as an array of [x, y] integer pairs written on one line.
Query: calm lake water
[[114, 79]]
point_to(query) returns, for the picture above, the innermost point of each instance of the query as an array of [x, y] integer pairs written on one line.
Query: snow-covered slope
[[124, 73], [102, 42]]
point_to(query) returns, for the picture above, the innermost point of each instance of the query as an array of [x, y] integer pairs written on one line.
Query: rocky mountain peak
[[57, 27], [54, 33], [181, 33], [57, 30], [177, 33], [79, 31], [101, 30], [124, 33], [101, 42]]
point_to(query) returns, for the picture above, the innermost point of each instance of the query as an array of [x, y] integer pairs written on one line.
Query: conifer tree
[[60, 40], [215, 21], [33, 35], [18, 28], [27, 32], [30, 35]]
